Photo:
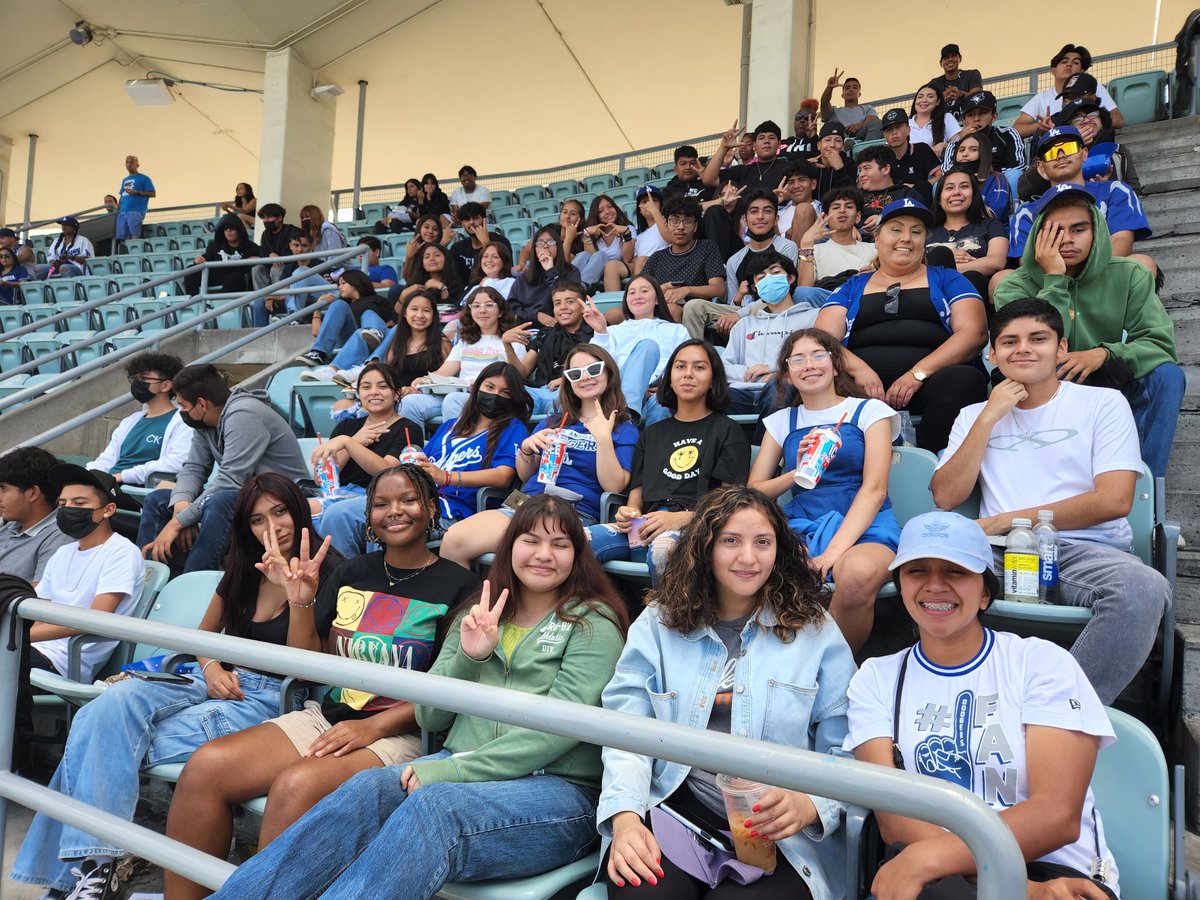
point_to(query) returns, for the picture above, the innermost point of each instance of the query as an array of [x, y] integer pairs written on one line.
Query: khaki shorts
[[306, 725]]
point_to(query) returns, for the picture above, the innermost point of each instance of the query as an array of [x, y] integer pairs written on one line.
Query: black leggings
[[784, 883]]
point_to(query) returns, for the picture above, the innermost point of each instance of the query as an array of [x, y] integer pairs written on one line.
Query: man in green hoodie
[[1118, 333]]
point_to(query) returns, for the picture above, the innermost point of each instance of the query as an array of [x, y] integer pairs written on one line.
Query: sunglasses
[[591, 370], [892, 306], [1062, 148]]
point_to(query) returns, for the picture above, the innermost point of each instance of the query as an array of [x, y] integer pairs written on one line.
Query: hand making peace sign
[[480, 628]]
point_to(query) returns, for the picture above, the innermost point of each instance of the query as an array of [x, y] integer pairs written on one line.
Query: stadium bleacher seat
[[81, 320], [139, 308], [42, 345], [539, 210], [12, 354], [124, 340], [188, 313], [32, 292], [510, 214], [561, 189], [373, 212], [860, 146], [519, 231], [624, 196], [36, 312], [315, 400], [93, 287], [172, 229], [501, 199], [160, 263], [279, 393], [135, 246], [12, 317], [124, 265], [636, 176], [100, 265], [529, 193], [84, 345], [1140, 97], [598, 184], [119, 283], [62, 290], [666, 170], [1008, 108]]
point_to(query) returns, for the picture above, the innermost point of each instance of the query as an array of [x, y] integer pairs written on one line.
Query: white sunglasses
[[591, 370]]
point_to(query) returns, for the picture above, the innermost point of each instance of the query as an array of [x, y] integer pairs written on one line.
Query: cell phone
[[168, 677], [706, 833]]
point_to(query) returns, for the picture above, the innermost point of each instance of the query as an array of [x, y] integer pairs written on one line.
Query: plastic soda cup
[[328, 478], [552, 460], [812, 463], [411, 455], [741, 796]]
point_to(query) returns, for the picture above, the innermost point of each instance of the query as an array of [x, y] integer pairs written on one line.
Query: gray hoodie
[[250, 437], [758, 337]]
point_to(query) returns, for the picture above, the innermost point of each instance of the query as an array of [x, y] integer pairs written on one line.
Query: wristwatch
[[919, 375]]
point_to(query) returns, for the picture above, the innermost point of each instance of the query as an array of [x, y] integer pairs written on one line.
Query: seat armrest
[[610, 502]]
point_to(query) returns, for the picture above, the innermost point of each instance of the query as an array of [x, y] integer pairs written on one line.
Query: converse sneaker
[[96, 882], [313, 358], [348, 378], [320, 373], [372, 337]]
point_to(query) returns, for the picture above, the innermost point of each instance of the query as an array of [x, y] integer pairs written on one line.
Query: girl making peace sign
[[499, 801]]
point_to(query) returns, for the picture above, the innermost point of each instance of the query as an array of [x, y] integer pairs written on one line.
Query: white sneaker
[[320, 373], [348, 377]]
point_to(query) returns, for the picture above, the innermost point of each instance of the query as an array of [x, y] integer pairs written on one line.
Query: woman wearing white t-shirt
[[482, 322], [650, 236], [846, 520], [929, 122], [1013, 720]]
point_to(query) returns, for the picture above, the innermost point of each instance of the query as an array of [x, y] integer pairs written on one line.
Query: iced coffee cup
[[741, 796]]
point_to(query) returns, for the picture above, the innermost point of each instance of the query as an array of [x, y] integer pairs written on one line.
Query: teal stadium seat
[[93, 287], [624, 196], [159, 263], [501, 199], [139, 308], [636, 176], [1140, 97], [541, 209], [1008, 108], [100, 265], [135, 246], [41, 345], [530, 193], [11, 318], [12, 354], [510, 214], [62, 290], [666, 170], [860, 146], [373, 212], [32, 292], [536, 887], [519, 231], [84, 344], [598, 184], [119, 283], [279, 393], [38, 312], [172, 229], [315, 402], [560, 189]]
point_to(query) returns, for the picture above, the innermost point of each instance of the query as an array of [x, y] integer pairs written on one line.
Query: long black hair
[[977, 210], [522, 408], [239, 586], [433, 354], [937, 115]]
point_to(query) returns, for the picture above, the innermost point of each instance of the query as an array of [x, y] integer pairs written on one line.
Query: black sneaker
[[372, 337], [314, 358], [96, 882]]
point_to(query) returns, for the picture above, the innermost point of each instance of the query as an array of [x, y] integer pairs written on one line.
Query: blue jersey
[[1118, 204], [467, 454], [577, 480]]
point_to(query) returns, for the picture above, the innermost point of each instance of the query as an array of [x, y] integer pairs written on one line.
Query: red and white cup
[[552, 460], [812, 463]]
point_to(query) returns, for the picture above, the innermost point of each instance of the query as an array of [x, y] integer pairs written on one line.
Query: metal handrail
[[109, 359], [1000, 865]]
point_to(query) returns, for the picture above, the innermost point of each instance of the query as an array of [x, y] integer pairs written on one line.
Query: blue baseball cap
[[1060, 190], [1056, 135], [1099, 160], [944, 535], [907, 207]]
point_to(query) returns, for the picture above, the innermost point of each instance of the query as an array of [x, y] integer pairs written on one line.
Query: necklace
[[392, 582], [86, 566], [761, 174], [1025, 428]]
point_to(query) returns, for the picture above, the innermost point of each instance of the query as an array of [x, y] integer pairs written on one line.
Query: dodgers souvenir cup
[[813, 462], [552, 460]]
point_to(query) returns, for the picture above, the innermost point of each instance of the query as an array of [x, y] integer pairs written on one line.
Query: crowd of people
[[932, 290]]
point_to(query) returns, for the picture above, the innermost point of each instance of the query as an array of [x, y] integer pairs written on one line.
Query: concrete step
[[1187, 334], [1176, 132], [1170, 173], [1183, 506], [1178, 255], [1171, 208]]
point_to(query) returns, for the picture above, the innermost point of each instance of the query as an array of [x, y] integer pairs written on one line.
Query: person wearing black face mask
[[153, 439], [99, 570], [273, 242]]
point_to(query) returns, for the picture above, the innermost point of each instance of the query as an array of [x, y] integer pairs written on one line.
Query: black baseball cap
[[982, 100], [834, 127], [67, 220], [7, 232], [895, 116], [1079, 83], [1072, 108], [68, 473], [950, 50]]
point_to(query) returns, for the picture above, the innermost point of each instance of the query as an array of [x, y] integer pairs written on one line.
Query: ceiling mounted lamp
[[325, 91], [81, 34], [150, 91]]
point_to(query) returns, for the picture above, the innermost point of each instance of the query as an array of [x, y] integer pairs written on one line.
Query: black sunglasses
[[892, 306]]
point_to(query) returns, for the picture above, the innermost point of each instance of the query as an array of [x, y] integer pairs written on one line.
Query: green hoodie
[[1110, 297], [555, 659]]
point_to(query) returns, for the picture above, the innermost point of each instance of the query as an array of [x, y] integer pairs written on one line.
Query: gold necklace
[[392, 582]]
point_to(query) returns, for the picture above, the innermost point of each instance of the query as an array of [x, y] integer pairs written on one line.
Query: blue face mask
[[773, 288]]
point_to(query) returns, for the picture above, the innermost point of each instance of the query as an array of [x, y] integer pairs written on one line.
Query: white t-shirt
[[476, 357], [1046, 100], [459, 196], [966, 725], [1039, 456], [923, 134], [779, 244], [75, 577], [831, 258], [620, 339], [777, 424], [787, 215], [503, 285], [649, 241]]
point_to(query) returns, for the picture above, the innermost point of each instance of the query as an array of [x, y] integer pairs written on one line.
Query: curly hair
[[686, 595], [468, 331], [844, 384], [422, 484]]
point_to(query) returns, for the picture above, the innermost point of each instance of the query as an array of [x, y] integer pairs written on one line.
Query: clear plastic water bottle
[[908, 432], [1046, 536], [1021, 563]]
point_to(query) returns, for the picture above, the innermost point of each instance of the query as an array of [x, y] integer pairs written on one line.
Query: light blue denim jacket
[[792, 694]]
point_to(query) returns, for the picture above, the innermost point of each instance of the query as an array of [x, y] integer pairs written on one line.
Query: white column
[[780, 61], [295, 165], [6, 146]]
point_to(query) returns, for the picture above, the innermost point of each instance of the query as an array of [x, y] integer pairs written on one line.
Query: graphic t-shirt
[[476, 357], [363, 617], [675, 462], [134, 203], [967, 80], [390, 443], [914, 166], [972, 238], [966, 725], [577, 479], [468, 454], [143, 443]]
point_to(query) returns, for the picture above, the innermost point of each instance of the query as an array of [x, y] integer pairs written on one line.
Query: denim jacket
[[792, 694]]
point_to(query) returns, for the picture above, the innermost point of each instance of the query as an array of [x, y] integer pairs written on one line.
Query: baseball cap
[[950, 50], [652, 189], [895, 116], [1099, 160], [834, 127], [7, 232], [944, 535], [1057, 135], [982, 100], [907, 207], [1057, 191], [1072, 108], [1079, 83], [67, 220], [68, 473]]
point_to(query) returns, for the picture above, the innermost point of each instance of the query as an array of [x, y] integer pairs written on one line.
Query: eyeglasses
[[805, 117], [799, 361], [591, 370], [1085, 119], [484, 304], [1062, 148], [680, 221], [892, 306], [545, 245]]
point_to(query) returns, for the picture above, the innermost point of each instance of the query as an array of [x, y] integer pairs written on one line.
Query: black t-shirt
[[437, 205], [693, 268], [278, 242], [877, 200], [553, 346], [829, 178], [755, 175], [972, 238], [893, 344], [675, 462], [696, 188], [362, 616], [967, 80], [913, 168], [372, 302], [390, 443], [465, 254]]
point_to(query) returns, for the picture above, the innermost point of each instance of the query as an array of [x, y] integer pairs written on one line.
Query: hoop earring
[[372, 538]]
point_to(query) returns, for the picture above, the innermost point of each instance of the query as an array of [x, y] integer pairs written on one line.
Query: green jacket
[[555, 659], [1112, 296]]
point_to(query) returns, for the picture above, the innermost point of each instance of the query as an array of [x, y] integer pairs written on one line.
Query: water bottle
[[1046, 536], [1021, 563], [908, 433]]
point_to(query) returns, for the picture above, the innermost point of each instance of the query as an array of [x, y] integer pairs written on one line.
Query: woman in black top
[[11, 272], [435, 272], [358, 306], [433, 201], [428, 230], [973, 241], [231, 242], [530, 299]]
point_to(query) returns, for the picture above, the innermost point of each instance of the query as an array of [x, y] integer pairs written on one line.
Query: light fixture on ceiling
[[325, 91], [150, 91], [81, 34]]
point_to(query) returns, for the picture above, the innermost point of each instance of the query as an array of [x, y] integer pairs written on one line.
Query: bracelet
[[459, 479], [309, 605], [445, 479], [521, 450], [206, 665]]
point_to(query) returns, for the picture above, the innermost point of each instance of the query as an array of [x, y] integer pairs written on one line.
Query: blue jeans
[[544, 399], [421, 407], [608, 544], [345, 521], [355, 351], [1155, 399], [133, 723], [338, 325], [292, 302], [208, 551], [370, 833], [637, 372]]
